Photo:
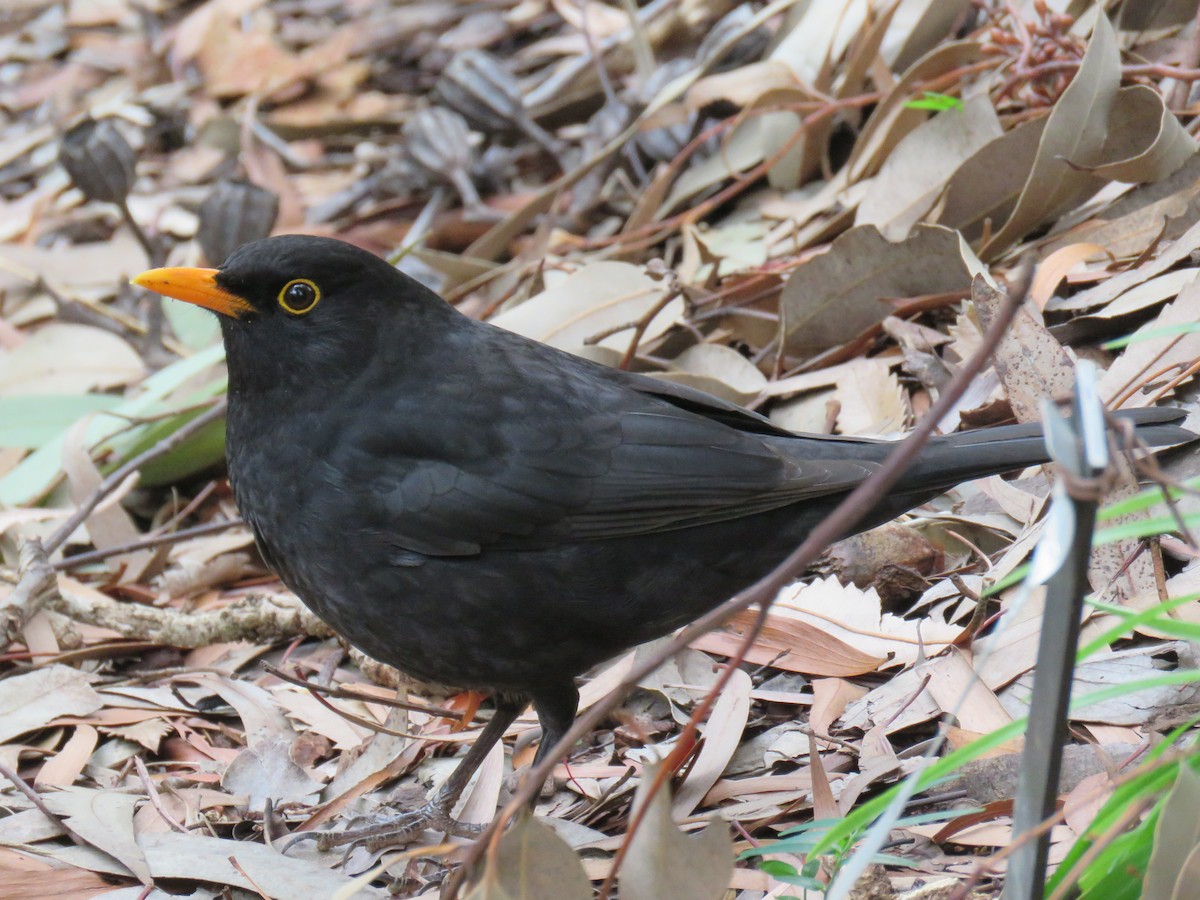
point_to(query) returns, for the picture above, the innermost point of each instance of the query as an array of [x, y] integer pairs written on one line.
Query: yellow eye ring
[[299, 296]]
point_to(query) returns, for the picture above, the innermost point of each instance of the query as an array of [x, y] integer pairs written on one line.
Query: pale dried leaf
[[892, 119], [483, 794], [915, 172], [957, 689], [595, 298], [871, 400], [1127, 377], [304, 707], [1055, 267], [261, 716], [985, 189], [532, 863], [792, 645], [1032, 365], [665, 864], [108, 525], [259, 867], [105, 820], [718, 370], [265, 771], [918, 26], [840, 293], [1107, 291], [149, 732], [854, 616], [1145, 295], [897, 704], [65, 766], [1137, 708], [830, 698], [745, 148], [722, 734], [1146, 142], [68, 359], [745, 85], [1074, 134], [34, 699]]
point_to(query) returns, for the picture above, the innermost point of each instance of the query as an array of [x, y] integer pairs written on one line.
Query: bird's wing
[[585, 454]]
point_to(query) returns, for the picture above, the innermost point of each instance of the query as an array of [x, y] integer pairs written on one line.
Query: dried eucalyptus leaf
[[835, 296], [663, 863], [532, 863]]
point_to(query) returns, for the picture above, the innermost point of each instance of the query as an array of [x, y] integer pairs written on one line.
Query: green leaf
[[1176, 835], [789, 874], [935, 102], [1151, 334], [1117, 872], [1154, 776], [30, 420], [1144, 499], [1143, 528], [39, 471], [1016, 576], [196, 327], [777, 868], [849, 828], [1155, 616]]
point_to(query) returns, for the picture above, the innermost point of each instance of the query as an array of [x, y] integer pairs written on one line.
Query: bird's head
[[301, 303]]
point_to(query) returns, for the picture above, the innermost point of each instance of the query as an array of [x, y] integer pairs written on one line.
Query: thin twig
[[34, 588], [25, 788], [346, 694], [117, 477], [451, 738], [159, 539], [155, 799]]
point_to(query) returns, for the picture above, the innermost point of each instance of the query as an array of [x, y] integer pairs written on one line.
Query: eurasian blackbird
[[482, 510]]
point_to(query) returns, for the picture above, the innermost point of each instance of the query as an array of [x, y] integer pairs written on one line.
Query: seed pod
[[438, 141], [749, 47], [664, 143], [99, 160], [235, 213], [478, 85]]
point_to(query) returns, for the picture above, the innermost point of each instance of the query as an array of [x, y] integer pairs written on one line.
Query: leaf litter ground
[[760, 200]]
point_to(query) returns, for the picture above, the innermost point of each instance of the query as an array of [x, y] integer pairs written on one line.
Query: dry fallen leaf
[[915, 172], [531, 863], [665, 864], [591, 301], [68, 359], [34, 699], [835, 296]]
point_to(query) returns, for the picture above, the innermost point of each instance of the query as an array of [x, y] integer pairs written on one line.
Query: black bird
[[479, 509]]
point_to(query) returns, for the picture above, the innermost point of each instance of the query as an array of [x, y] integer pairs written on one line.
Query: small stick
[[119, 474], [144, 543]]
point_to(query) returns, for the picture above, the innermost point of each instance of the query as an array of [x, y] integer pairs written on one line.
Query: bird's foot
[[391, 829]]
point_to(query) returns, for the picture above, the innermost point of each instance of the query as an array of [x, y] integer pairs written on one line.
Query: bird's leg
[[556, 711], [399, 828]]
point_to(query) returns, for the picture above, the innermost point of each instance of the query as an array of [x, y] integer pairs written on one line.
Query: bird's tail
[[992, 451]]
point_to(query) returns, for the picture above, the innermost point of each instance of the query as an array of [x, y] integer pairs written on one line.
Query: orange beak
[[198, 286]]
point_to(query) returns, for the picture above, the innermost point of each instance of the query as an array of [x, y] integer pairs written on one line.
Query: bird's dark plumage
[[479, 509]]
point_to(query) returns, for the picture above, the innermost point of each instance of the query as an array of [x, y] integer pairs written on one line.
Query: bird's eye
[[299, 296]]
